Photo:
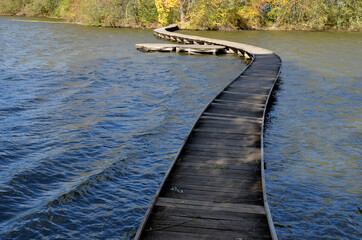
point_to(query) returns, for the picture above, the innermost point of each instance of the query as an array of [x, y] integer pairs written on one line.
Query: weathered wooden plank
[[229, 126], [238, 87], [246, 94], [160, 47], [238, 157], [253, 119], [238, 106], [239, 198], [243, 97], [214, 172], [167, 214], [255, 79], [183, 233], [226, 131], [213, 206], [221, 151], [237, 137], [252, 84], [238, 103], [210, 171], [216, 161], [217, 148], [237, 184], [245, 193], [236, 112], [171, 186], [211, 179], [191, 48], [196, 223], [243, 180], [246, 121], [229, 121], [210, 141], [205, 155], [248, 219], [244, 159], [228, 166]]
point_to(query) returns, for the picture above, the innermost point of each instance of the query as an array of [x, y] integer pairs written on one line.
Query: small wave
[[85, 186], [69, 193]]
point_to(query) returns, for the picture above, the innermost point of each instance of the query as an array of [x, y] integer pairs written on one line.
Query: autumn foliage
[[198, 14]]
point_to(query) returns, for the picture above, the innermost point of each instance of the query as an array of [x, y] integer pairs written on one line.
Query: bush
[[11, 7]]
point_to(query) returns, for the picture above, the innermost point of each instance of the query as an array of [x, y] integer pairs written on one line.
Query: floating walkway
[[215, 188], [188, 48]]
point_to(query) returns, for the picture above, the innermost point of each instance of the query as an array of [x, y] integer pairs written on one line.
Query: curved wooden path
[[215, 188]]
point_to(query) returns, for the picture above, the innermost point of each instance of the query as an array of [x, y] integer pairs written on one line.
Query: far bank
[[225, 15]]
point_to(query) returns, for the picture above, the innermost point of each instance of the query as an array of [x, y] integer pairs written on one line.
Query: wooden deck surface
[[188, 48], [215, 188]]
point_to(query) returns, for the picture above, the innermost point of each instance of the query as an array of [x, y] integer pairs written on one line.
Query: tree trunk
[[182, 11]]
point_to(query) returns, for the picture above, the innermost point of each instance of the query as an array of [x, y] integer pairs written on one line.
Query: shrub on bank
[[198, 14]]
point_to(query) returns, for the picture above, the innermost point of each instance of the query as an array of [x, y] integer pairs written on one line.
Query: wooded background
[[198, 14]]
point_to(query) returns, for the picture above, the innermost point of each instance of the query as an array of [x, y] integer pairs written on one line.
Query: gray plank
[[228, 124], [210, 141], [241, 198], [239, 103], [217, 157], [238, 184], [254, 119], [226, 136], [206, 205], [243, 167], [183, 233], [235, 112], [243, 97], [249, 219], [203, 188], [221, 149], [196, 223], [217, 172], [227, 131]]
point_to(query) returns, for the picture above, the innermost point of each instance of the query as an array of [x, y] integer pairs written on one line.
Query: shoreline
[[156, 25]]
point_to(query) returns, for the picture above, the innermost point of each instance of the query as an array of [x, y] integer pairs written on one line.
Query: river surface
[[89, 125]]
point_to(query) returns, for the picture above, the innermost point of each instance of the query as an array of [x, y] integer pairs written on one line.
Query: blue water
[[89, 125]]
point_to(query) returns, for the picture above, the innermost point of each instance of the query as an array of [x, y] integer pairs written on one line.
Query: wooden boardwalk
[[215, 188], [188, 48]]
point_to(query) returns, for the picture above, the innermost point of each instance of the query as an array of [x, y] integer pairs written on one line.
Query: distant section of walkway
[[215, 188]]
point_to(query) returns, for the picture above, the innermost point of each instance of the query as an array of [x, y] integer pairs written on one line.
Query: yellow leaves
[[280, 3], [249, 15], [163, 9]]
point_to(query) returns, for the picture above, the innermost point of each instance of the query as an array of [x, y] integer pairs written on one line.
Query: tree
[[164, 8]]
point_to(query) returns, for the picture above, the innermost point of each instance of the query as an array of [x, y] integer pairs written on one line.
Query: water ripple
[[89, 126]]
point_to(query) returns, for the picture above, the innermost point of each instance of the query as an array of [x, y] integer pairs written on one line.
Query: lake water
[[89, 125]]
